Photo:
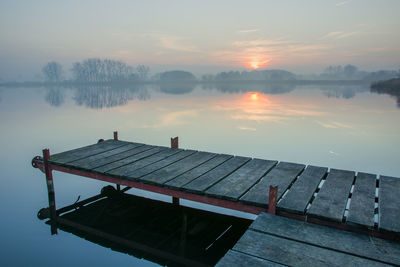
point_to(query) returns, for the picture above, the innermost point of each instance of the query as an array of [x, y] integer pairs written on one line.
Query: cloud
[[171, 42], [248, 31], [339, 35], [244, 128], [335, 125], [342, 3], [268, 51]]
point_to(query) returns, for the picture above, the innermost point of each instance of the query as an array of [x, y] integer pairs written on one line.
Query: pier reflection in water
[[164, 233]]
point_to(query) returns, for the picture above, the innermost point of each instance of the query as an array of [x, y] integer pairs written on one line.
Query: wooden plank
[[362, 205], [282, 176], [214, 176], [189, 176], [294, 253], [91, 161], [120, 156], [124, 170], [344, 241], [143, 153], [389, 203], [331, 200], [171, 171], [79, 153], [160, 164], [302, 190], [236, 184], [236, 258]]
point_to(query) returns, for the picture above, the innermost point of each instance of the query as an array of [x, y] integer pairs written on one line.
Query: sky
[[200, 36]]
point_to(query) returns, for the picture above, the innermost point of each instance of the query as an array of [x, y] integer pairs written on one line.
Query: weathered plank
[[389, 203], [160, 164], [282, 176], [143, 152], [327, 237], [124, 170], [362, 205], [83, 152], [302, 190], [189, 176], [210, 178], [116, 157], [171, 171], [294, 253], [331, 200], [236, 258], [237, 183], [92, 161]]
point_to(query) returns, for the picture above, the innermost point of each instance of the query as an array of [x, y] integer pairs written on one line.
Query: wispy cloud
[[244, 128], [335, 125], [266, 51], [339, 35], [171, 42], [248, 30], [342, 3]]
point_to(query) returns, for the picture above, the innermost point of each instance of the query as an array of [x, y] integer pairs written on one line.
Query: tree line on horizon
[[108, 70]]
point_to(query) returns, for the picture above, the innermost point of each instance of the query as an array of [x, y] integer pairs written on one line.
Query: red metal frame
[[38, 163], [161, 190]]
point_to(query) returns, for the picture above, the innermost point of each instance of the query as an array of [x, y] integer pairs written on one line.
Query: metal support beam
[[156, 189], [50, 191], [272, 199]]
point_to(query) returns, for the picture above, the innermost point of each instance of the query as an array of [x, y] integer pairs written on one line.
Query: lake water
[[345, 127]]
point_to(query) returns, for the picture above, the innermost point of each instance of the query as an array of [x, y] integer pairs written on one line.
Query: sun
[[254, 96], [255, 65]]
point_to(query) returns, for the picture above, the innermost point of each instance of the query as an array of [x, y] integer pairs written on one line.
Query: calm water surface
[[343, 127]]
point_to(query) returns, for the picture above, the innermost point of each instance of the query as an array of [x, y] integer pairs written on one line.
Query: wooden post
[[50, 191], [272, 198], [175, 201], [174, 142], [116, 136]]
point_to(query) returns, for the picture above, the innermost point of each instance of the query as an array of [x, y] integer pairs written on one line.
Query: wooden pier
[[358, 202]]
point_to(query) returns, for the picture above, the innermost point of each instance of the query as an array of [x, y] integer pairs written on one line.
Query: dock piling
[[50, 191], [272, 198], [174, 144]]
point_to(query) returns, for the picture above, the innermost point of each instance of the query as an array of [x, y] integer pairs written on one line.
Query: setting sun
[[255, 65], [254, 96]]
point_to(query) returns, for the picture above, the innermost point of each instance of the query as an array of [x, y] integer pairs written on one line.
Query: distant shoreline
[[119, 83]]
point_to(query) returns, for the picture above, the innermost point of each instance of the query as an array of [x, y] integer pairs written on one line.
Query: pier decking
[[277, 241], [340, 198]]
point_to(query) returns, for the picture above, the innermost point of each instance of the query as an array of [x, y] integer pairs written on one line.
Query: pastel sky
[[200, 36]]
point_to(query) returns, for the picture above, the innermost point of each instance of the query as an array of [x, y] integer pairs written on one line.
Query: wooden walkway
[[277, 241], [340, 197]]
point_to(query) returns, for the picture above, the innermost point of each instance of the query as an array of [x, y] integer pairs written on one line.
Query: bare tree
[[52, 71], [143, 72], [98, 70]]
